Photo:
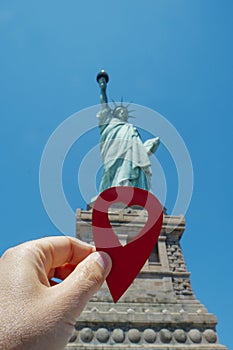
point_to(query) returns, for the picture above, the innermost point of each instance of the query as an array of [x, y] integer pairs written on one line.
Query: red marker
[[127, 260]]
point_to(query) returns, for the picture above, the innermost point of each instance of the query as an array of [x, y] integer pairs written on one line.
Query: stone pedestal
[[159, 310]]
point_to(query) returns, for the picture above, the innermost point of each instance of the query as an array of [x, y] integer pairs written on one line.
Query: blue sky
[[172, 56]]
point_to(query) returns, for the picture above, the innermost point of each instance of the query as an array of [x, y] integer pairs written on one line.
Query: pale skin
[[36, 313]]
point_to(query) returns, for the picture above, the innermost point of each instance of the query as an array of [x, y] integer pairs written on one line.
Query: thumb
[[83, 282]]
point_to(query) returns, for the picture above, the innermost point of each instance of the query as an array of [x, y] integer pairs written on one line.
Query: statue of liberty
[[125, 157]]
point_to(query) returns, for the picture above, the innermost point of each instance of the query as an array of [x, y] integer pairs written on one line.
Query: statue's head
[[121, 112]]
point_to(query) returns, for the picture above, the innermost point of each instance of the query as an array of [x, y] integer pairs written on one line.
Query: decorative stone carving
[[86, 335], [149, 335], [210, 336], [134, 335], [182, 286], [180, 336], [73, 338], [195, 336], [102, 335], [165, 336], [118, 335], [175, 257]]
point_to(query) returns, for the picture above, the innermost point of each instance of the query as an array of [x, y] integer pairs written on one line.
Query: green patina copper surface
[[125, 158]]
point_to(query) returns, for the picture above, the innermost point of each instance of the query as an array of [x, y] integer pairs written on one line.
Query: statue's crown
[[120, 111]]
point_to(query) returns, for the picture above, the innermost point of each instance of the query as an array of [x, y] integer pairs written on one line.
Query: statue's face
[[121, 113]]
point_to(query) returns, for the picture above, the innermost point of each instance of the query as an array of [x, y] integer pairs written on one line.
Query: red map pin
[[127, 260]]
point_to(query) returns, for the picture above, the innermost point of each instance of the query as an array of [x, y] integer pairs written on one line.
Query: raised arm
[[102, 79]]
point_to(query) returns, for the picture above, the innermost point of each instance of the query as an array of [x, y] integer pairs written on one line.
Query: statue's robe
[[125, 158]]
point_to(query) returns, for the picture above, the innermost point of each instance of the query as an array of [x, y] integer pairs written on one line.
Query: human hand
[[36, 313], [102, 83]]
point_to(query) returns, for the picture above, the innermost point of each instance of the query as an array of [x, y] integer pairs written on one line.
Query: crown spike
[[115, 105], [129, 104]]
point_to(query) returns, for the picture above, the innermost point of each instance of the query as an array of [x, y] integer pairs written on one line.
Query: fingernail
[[103, 259]]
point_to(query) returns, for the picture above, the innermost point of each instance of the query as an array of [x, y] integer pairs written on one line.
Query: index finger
[[55, 251]]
